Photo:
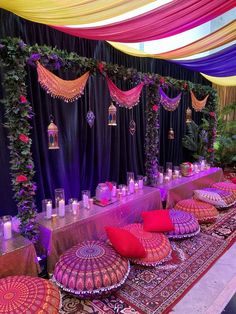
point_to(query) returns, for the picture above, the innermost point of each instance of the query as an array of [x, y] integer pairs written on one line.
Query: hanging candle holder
[[112, 115], [171, 134], [52, 135], [90, 117], [188, 115]]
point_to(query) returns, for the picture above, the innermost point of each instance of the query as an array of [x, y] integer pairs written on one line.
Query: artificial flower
[[21, 178], [24, 138], [23, 99], [155, 108]]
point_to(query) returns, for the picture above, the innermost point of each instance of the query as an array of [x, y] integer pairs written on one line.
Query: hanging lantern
[[188, 115], [112, 115], [171, 134], [53, 136]]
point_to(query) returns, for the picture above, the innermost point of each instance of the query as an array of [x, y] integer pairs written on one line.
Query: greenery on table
[[15, 55]]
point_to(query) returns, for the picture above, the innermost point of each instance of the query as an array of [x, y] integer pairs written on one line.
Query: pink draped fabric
[[126, 99], [167, 20]]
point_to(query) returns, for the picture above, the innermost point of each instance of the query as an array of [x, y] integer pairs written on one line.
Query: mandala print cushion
[[226, 186], [217, 197], [185, 224], [90, 269]]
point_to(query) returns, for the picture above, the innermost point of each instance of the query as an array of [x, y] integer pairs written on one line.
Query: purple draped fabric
[[221, 63], [167, 20]]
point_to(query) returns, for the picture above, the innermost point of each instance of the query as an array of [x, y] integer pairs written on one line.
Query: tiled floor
[[214, 290]]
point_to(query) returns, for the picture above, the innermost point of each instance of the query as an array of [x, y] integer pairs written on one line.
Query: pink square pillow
[[125, 243], [157, 221]]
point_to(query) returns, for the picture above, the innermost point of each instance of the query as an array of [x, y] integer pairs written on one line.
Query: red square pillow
[[233, 180], [125, 243], [157, 220]]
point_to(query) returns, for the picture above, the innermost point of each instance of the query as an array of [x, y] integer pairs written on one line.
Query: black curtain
[[87, 155]]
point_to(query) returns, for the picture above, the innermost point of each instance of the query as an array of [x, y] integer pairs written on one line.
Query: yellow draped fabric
[[70, 12], [67, 90], [216, 39], [223, 81], [198, 105]]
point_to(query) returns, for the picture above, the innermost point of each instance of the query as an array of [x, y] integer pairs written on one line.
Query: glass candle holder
[[140, 181], [73, 205], [47, 208], [114, 188], [136, 186], [7, 227], [169, 169], [85, 198], [122, 189], [176, 171], [130, 182], [60, 202]]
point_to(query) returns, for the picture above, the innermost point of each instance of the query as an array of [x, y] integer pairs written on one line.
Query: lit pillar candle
[[123, 190], [48, 210], [136, 186], [131, 186], [161, 177], [7, 231], [176, 172], [113, 191], [74, 207], [61, 208], [169, 172]]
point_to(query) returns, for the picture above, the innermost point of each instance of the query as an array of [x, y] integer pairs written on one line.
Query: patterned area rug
[[156, 290]]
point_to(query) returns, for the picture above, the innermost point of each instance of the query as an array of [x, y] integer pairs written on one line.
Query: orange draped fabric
[[67, 90], [198, 105]]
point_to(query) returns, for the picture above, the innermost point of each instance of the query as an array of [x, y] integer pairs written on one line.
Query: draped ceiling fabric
[[222, 81], [222, 36], [70, 11], [167, 20], [220, 64], [127, 99]]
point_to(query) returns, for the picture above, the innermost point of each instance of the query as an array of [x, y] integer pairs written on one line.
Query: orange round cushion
[[25, 294], [204, 212], [226, 186], [156, 245]]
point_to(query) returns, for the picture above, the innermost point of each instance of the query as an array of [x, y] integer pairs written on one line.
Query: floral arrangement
[[15, 54]]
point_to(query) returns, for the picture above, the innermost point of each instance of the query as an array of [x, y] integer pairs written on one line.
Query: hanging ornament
[[112, 115], [198, 105], [132, 127], [90, 117], [52, 135], [171, 134], [188, 115]]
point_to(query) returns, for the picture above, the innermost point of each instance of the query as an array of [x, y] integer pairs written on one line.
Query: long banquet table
[[18, 257], [59, 234], [182, 188]]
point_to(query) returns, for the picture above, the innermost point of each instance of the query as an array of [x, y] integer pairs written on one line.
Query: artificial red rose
[[155, 108], [185, 85], [23, 138], [162, 80], [101, 67], [210, 150], [21, 178], [23, 99], [212, 114]]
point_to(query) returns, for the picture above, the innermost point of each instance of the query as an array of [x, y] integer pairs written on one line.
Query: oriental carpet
[[155, 290]]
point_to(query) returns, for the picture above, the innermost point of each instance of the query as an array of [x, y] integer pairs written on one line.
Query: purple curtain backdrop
[[88, 156]]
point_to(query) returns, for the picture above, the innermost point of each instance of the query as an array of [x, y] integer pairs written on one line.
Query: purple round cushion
[[186, 225], [90, 269]]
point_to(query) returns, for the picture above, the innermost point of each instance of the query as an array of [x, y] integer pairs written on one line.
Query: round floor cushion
[[25, 294], [156, 245], [226, 186], [90, 269], [204, 212], [218, 198], [185, 224]]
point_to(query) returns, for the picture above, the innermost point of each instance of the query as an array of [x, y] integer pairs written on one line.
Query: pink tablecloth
[[18, 257], [182, 188], [59, 234]]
